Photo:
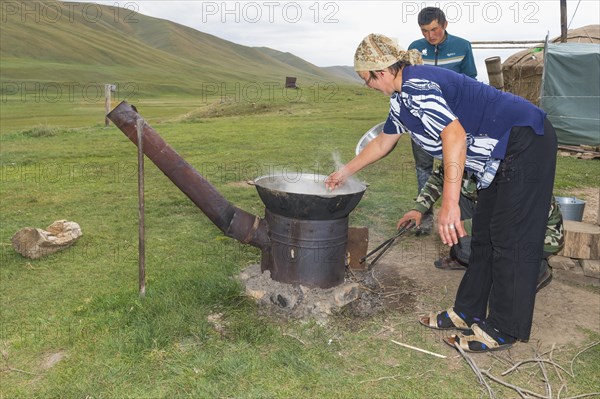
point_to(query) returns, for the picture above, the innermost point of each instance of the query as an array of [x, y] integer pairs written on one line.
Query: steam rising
[[309, 184]]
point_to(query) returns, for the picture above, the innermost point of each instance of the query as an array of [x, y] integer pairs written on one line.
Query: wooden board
[[356, 248]]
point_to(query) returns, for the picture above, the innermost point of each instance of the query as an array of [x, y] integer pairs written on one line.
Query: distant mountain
[[346, 71], [57, 42]]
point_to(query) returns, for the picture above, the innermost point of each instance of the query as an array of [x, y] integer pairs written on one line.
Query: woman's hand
[[377, 148], [408, 216], [450, 226], [336, 179]]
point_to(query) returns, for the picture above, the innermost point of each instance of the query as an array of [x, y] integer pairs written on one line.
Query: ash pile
[[360, 295]]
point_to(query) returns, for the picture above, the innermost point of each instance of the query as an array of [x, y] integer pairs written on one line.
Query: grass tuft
[[40, 131]]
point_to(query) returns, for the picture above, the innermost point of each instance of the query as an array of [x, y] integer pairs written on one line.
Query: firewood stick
[[418, 349]]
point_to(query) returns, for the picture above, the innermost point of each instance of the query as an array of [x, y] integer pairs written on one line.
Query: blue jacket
[[453, 53]]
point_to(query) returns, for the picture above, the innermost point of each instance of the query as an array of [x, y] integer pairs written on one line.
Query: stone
[[284, 299], [562, 262], [345, 294], [591, 268], [257, 295], [575, 276], [35, 243], [295, 300]]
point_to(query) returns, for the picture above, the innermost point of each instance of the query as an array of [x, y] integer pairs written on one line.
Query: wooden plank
[[356, 248]]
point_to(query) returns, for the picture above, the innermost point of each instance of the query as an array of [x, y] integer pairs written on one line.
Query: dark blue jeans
[[509, 225]]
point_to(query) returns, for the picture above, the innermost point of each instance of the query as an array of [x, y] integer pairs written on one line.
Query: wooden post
[[563, 21], [494, 70], [107, 93], [141, 230]]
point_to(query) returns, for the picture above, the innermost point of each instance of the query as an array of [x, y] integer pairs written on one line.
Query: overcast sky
[[326, 33]]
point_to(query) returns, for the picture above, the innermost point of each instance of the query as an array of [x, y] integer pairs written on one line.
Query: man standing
[[442, 49]]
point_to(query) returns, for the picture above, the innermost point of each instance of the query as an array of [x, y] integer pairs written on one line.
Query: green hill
[[78, 43]]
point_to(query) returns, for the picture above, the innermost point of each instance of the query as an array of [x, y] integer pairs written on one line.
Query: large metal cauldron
[[306, 197], [308, 228]]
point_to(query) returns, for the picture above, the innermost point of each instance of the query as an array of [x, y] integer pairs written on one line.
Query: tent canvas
[[523, 70], [571, 92]]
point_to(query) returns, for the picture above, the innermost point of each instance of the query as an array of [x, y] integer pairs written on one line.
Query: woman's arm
[[378, 148], [454, 152]]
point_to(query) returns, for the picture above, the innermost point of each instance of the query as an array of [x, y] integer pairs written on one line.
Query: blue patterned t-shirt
[[432, 97]]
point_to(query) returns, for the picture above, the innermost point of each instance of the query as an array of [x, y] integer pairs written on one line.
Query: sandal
[[478, 341], [448, 263], [445, 320]]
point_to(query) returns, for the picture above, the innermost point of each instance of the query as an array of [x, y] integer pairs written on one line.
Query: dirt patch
[[564, 313], [379, 293], [51, 359]]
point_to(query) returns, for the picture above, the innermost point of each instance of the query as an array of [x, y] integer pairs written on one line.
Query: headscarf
[[377, 52]]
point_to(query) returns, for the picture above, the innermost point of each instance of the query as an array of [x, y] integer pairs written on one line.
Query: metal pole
[[563, 21], [141, 231]]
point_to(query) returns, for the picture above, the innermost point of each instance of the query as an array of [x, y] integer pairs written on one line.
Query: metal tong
[[387, 244]]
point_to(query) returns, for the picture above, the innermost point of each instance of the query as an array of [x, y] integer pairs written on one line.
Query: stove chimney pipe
[[231, 220]]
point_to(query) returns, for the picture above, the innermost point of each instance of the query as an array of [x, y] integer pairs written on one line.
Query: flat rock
[[35, 243], [562, 262], [591, 268]]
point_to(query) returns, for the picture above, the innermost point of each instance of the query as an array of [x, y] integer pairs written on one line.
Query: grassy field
[[72, 324]]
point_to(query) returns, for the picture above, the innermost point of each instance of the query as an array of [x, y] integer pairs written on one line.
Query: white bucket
[[571, 208]]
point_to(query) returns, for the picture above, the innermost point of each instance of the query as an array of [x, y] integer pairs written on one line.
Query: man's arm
[[431, 192]]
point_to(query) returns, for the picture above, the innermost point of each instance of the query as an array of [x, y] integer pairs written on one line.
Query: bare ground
[[565, 312]]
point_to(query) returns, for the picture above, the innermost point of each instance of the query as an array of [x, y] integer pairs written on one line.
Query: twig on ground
[[513, 368], [377, 280], [401, 292], [364, 287], [296, 338], [546, 380], [391, 377], [556, 369], [560, 390], [521, 391], [8, 368], [18, 370], [476, 370], [579, 353], [352, 273], [419, 349], [584, 395], [502, 359], [525, 393], [445, 293], [382, 330]]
